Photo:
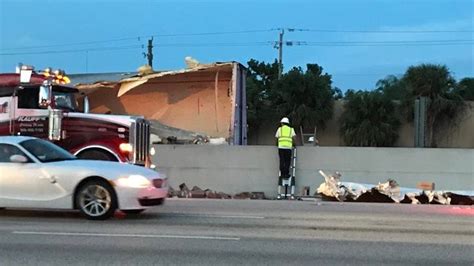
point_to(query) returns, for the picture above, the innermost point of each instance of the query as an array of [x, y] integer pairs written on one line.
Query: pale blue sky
[[76, 26]]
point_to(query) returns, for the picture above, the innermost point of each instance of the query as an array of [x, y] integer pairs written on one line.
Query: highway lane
[[230, 232]]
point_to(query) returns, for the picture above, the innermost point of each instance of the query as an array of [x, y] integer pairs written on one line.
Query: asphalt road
[[231, 232]]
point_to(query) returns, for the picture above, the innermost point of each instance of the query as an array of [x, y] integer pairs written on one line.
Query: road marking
[[125, 235], [215, 216]]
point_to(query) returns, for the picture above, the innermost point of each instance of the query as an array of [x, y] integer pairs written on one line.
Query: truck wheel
[[96, 155], [96, 200]]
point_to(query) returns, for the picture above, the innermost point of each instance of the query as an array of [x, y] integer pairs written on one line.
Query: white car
[[35, 173]]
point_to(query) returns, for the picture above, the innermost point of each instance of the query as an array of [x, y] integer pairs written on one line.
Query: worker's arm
[[277, 135], [293, 137]]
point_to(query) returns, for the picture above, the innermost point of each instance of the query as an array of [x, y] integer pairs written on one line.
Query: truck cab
[[45, 106]]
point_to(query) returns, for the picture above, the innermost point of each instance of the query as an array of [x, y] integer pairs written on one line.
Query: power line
[[384, 31], [212, 33], [76, 50], [72, 44], [390, 44], [213, 44], [263, 43], [287, 43], [404, 41], [138, 38]]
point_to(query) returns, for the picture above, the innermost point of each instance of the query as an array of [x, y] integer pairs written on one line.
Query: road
[[231, 232]]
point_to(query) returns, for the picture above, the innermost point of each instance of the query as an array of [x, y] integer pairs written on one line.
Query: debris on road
[[197, 192], [332, 189]]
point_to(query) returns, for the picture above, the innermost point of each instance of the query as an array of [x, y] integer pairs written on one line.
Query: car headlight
[[134, 181]]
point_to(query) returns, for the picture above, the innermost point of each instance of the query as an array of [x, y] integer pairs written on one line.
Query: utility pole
[[149, 55], [280, 53]]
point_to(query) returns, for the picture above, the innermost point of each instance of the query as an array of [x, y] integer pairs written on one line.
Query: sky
[[358, 42]]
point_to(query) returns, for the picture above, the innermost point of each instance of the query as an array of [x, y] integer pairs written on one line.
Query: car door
[[25, 184]]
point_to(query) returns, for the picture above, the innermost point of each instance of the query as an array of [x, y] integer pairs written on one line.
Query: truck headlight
[[134, 181], [126, 147]]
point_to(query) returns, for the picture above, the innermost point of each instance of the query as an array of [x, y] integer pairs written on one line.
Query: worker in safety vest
[[286, 138]]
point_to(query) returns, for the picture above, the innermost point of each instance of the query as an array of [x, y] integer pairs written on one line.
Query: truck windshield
[[65, 100], [46, 151]]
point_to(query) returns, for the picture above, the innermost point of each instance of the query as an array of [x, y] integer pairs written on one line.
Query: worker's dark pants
[[285, 160]]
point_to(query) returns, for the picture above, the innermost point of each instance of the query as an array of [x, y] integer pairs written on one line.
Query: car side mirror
[[18, 159]]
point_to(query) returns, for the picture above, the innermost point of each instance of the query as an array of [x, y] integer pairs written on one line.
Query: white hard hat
[[285, 120]]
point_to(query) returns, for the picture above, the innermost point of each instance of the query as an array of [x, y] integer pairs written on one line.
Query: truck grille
[[140, 139]]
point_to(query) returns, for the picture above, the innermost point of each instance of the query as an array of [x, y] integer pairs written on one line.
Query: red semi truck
[[43, 105]]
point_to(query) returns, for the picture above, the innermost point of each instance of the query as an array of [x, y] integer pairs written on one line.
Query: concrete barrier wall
[[234, 169]]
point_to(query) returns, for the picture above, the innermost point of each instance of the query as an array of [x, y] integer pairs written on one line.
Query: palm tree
[[465, 89], [392, 87], [437, 84], [369, 119]]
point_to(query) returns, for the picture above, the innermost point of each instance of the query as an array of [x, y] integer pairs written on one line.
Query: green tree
[[436, 83], [392, 87], [306, 97], [260, 81], [369, 119], [465, 89]]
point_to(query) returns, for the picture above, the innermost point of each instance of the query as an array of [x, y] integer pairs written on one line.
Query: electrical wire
[[407, 43], [212, 44], [383, 31], [138, 38], [105, 49], [72, 44], [212, 33]]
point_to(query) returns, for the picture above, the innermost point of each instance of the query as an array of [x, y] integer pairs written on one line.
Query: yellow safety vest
[[285, 140]]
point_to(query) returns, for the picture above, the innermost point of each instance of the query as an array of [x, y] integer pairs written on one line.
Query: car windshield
[[46, 151]]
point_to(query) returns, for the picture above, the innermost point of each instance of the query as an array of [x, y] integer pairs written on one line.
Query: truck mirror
[[86, 104], [55, 124], [44, 99]]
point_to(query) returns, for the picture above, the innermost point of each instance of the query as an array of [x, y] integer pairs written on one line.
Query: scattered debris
[[374, 195], [332, 189], [390, 189], [163, 134], [197, 192], [457, 199], [426, 185], [243, 195]]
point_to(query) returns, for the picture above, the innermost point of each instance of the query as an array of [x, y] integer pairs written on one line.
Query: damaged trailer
[[205, 103]]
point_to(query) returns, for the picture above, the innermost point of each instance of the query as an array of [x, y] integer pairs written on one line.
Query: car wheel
[[133, 212], [96, 200]]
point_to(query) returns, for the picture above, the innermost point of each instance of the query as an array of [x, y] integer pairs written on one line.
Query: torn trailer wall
[[208, 100]]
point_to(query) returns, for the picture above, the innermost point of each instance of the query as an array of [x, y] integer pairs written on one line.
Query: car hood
[[109, 170]]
